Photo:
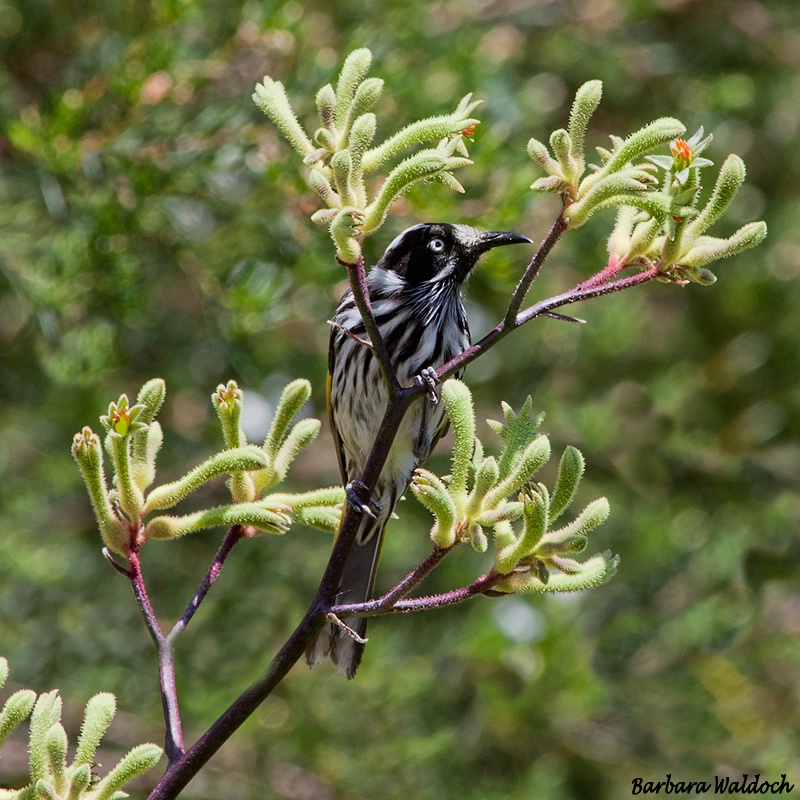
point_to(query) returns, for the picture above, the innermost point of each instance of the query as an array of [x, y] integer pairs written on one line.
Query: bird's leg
[[359, 498], [427, 379], [350, 335]]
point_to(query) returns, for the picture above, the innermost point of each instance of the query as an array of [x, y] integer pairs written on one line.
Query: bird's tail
[[358, 580]]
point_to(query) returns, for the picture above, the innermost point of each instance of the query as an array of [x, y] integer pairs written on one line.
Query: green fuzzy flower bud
[[88, 453], [137, 761], [97, 716], [457, 400]]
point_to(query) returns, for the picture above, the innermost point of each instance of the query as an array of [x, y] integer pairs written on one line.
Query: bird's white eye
[[436, 246]]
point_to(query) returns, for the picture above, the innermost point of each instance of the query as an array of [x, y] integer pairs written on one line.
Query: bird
[[415, 291]]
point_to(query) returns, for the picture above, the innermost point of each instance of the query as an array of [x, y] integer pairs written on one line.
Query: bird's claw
[[427, 380], [343, 626], [359, 498]]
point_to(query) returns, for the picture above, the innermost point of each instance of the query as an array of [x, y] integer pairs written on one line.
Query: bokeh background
[[154, 224]]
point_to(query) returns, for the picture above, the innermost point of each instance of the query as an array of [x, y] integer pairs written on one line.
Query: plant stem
[[173, 735], [577, 294], [234, 535], [388, 601], [380, 607], [543, 308], [477, 587], [534, 268], [358, 285]]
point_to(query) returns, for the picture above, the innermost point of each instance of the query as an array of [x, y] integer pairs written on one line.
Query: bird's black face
[[440, 251]]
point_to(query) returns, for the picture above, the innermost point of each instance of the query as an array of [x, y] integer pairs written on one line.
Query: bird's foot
[[345, 628], [427, 380], [359, 498]]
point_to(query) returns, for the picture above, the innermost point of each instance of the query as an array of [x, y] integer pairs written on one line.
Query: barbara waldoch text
[[749, 784]]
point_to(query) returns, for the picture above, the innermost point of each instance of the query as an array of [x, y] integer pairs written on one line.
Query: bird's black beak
[[492, 239]]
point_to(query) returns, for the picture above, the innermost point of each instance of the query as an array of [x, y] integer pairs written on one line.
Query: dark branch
[[358, 285]]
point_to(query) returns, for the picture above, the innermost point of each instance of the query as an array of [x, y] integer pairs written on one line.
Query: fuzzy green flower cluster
[[51, 776], [659, 223], [134, 438], [341, 156], [498, 494]]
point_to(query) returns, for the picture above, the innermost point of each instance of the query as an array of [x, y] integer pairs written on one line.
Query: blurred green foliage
[[153, 224]]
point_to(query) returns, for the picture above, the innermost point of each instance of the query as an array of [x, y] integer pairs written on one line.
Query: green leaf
[[535, 515], [486, 476], [79, 782], [532, 459], [594, 515], [227, 401], [539, 153], [729, 181], [432, 129], [326, 101], [431, 492], [56, 746], [300, 437], [270, 97], [706, 249], [593, 572], [517, 433], [88, 453], [657, 133], [263, 515]]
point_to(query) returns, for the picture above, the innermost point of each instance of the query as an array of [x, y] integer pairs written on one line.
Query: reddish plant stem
[[380, 607], [477, 587], [173, 735], [389, 600], [608, 273]]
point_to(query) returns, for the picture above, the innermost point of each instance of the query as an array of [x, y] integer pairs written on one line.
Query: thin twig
[[118, 567], [358, 285], [234, 535], [374, 608], [350, 335], [541, 309], [608, 273], [577, 294], [534, 268], [386, 602]]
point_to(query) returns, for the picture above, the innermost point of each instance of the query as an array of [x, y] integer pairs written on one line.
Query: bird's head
[[436, 251]]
